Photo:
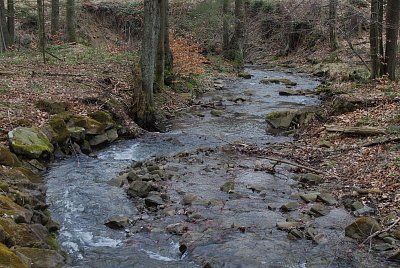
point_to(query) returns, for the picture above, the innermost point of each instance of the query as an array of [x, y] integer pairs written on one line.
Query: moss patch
[[9, 259], [30, 142], [7, 158]]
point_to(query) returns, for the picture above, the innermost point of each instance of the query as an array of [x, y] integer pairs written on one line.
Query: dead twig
[[292, 164], [369, 238]]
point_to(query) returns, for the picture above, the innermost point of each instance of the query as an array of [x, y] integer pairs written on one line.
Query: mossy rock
[[77, 133], [41, 257], [103, 117], [92, 126], [9, 259], [60, 128], [289, 119], [26, 235], [4, 187], [8, 158], [30, 142], [20, 175], [361, 228], [19, 214], [245, 75], [51, 107]]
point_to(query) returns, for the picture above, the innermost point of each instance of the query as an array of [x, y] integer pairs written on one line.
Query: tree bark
[[392, 29], [160, 61], [4, 36], [333, 36], [11, 21], [225, 25], [380, 36], [169, 58], [41, 30], [70, 21], [375, 40], [55, 16], [235, 49], [148, 57]]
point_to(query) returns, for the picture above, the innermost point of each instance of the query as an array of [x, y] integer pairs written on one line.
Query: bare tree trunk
[[169, 58], [41, 30], [225, 25], [392, 30], [55, 16], [380, 36], [148, 58], [235, 49], [160, 61], [4, 35], [11, 21], [70, 21], [375, 40], [333, 36]]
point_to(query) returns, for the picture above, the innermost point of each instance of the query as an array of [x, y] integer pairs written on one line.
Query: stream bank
[[194, 200]]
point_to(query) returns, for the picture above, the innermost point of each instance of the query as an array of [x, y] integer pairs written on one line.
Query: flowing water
[[81, 200]]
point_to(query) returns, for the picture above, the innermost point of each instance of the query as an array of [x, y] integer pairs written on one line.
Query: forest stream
[[235, 229]]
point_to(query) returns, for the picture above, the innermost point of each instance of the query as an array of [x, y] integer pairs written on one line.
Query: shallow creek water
[[81, 200]]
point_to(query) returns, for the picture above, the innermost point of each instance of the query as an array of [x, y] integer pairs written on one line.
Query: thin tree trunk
[[374, 40], [392, 30], [169, 58], [11, 21], [4, 35], [148, 57], [41, 30], [333, 36], [382, 70], [160, 61], [225, 25], [55, 16], [235, 51], [70, 21]]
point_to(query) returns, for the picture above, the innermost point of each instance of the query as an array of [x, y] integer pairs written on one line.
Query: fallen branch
[[292, 164], [381, 231], [365, 131], [381, 141], [54, 74]]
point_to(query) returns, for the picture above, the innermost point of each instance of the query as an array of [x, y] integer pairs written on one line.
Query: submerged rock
[[176, 228], [30, 142], [362, 228], [217, 113], [188, 199], [327, 199]]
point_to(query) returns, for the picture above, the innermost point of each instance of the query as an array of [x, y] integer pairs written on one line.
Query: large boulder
[[362, 228], [109, 136], [9, 259], [30, 142], [7, 158], [289, 119], [41, 257]]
